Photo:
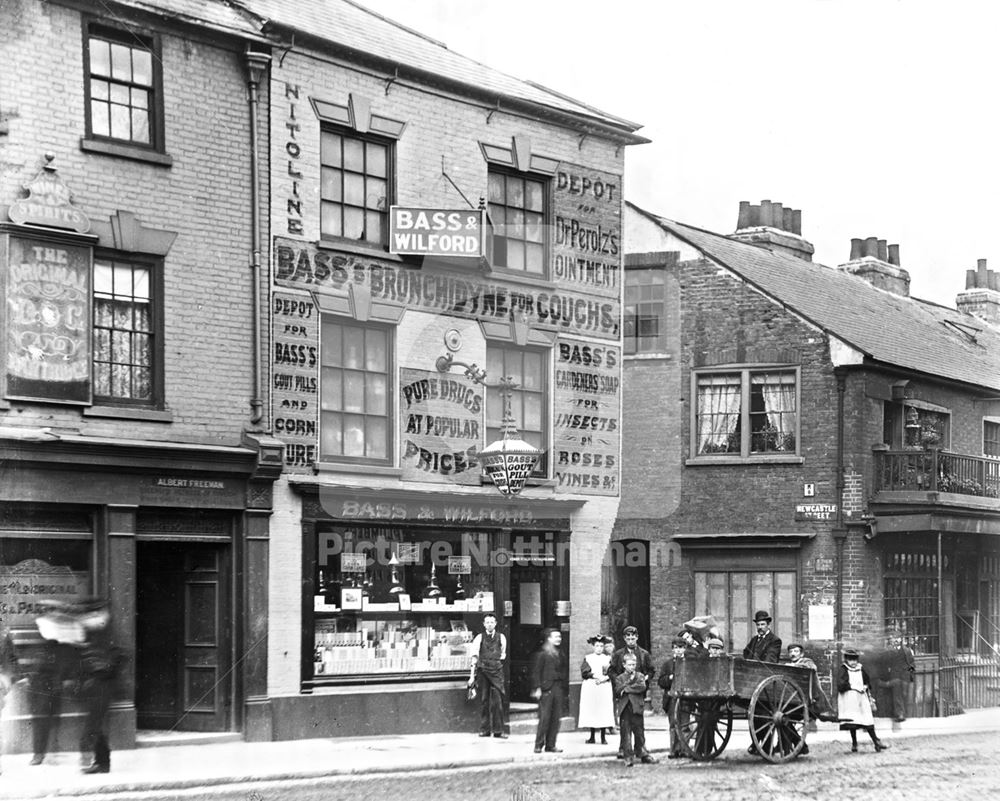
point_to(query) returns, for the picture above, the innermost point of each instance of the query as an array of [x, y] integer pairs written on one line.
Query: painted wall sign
[[586, 242], [815, 511], [294, 152], [48, 203], [441, 512], [586, 427], [436, 232], [302, 265], [48, 321], [23, 585], [295, 378], [441, 427]]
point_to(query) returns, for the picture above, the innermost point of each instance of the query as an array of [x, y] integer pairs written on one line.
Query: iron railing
[[937, 471], [968, 683]]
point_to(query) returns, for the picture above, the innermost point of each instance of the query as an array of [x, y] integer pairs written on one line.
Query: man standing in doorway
[[489, 654], [766, 646], [550, 691]]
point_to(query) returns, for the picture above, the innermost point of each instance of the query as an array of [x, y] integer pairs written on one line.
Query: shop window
[[746, 413], [529, 399], [355, 187], [391, 601], [123, 89], [127, 365], [911, 598], [645, 310], [60, 566], [991, 438], [732, 597], [355, 410], [517, 209]]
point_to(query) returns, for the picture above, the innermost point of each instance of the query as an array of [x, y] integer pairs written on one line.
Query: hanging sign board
[[436, 232]]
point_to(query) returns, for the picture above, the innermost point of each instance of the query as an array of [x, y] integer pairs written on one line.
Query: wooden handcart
[[776, 699]]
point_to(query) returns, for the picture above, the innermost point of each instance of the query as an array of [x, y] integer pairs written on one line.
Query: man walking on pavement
[[489, 653], [899, 674], [644, 665], [550, 691]]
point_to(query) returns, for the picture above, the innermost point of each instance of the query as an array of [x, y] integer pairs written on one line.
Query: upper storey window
[[355, 186], [122, 84], [518, 211], [645, 301]]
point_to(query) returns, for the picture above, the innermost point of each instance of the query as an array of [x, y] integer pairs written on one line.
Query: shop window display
[[390, 601]]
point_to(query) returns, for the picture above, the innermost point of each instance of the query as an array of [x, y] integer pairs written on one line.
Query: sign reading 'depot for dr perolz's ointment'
[[436, 232]]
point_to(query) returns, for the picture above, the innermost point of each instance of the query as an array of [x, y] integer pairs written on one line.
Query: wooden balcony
[[937, 471]]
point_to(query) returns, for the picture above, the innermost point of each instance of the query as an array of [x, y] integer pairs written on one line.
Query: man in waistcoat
[[489, 654], [766, 646]]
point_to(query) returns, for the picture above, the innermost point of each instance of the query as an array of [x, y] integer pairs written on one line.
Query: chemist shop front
[[395, 586]]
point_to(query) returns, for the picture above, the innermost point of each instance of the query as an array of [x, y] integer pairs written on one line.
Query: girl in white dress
[[597, 710], [854, 706]]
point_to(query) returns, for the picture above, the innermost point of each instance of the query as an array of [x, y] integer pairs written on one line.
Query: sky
[[874, 117]]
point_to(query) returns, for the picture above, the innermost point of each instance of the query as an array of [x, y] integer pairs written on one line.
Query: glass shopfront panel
[[390, 600]]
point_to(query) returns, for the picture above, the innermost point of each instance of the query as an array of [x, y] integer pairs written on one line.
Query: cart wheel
[[777, 716], [702, 726]]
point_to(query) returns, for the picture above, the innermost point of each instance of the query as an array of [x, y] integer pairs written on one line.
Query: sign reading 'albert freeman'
[[436, 232], [48, 321], [441, 419]]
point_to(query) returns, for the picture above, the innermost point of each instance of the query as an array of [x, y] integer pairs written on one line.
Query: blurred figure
[[99, 663], [57, 662], [899, 674], [550, 691], [9, 671]]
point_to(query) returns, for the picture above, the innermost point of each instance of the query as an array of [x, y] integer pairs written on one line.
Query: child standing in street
[[854, 701], [630, 702]]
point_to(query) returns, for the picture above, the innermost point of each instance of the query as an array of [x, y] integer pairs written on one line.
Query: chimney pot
[[777, 215], [983, 274], [765, 212], [994, 281], [871, 247], [796, 222], [883, 250], [857, 249], [970, 279], [894, 255], [743, 221]]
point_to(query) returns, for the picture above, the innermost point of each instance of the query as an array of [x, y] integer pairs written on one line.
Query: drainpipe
[[257, 64], [840, 530]]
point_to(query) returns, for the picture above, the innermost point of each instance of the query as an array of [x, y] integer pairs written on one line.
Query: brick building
[[387, 542], [814, 442], [200, 295]]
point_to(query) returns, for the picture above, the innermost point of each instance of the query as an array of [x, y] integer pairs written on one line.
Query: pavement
[[178, 767]]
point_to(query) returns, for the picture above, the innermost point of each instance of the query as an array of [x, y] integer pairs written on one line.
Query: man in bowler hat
[[765, 646]]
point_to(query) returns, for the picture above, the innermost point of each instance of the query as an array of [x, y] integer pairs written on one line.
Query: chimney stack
[[772, 225], [878, 263], [982, 294]]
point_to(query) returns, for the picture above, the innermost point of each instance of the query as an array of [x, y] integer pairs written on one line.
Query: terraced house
[[265, 268], [825, 446]]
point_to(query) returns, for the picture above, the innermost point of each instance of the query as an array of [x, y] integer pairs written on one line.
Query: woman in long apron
[[597, 709]]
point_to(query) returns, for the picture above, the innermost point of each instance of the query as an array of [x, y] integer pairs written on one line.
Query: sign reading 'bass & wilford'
[[436, 232]]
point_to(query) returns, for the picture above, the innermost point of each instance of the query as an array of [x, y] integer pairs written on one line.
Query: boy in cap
[[666, 680], [630, 704], [715, 647], [644, 665]]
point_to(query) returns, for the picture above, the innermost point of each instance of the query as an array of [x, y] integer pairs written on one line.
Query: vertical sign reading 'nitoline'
[[295, 378]]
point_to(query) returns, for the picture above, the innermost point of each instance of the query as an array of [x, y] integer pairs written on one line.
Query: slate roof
[[901, 331], [215, 14], [352, 26]]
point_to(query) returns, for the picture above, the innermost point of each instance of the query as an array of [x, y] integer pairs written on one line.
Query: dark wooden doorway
[[531, 596], [625, 590], [183, 676]]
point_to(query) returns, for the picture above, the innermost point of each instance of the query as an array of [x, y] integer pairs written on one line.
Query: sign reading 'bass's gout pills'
[[436, 232]]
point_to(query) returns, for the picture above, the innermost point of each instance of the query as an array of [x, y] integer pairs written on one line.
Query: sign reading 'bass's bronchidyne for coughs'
[[436, 232]]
